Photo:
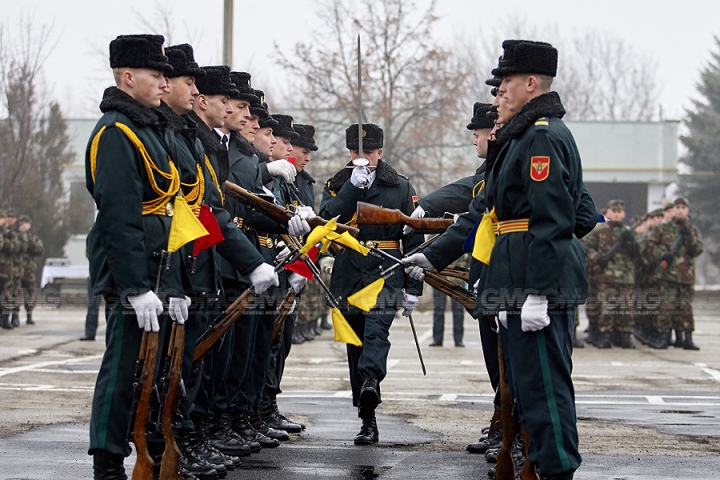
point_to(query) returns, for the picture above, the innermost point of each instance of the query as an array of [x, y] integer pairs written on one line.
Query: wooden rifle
[[369, 214], [456, 292], [170, 464], [505, 465], [456, 272], [276, 212], [222, 323], [282, 311], [143, 387]]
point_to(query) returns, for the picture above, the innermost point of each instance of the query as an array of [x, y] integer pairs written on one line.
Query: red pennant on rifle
[[300, 267], [214, 236]]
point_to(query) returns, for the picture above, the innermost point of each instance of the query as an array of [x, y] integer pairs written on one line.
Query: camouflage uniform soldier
[[646, 311], [35, 249], [672, 246], [7, 246], [20, 247], [611, 255], [592, 304]]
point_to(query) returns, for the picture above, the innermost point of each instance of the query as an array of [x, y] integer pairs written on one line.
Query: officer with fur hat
[[541, 207], [130, 230], [379, 184]]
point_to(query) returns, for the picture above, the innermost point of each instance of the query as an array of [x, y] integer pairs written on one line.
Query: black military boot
[[297, 338], [368, 432], [603, 340], [284, 418], [591, 336], [242, 427], [260, 426], [640, 334], [5, 320], [269, 413], [679, 339], [369, 397], [576, 341], [108, 466], [308, 331], [192, 460], [30, 321], [223, 437], [212, 454], [485, 444], [324, 324], [624, 340], [15, 318], [689, 345]]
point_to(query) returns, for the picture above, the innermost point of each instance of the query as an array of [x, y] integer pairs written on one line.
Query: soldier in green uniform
[[130, 231], [7, 247], [612, 253], [379, 184], [35, 250], [671, 249], [21, 246]]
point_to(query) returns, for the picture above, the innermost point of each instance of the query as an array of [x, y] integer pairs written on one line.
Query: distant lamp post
[[228, 33]]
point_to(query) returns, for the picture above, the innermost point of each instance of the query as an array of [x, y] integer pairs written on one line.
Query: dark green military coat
[[537, 175], [239, 254], [454, 197], [352, 271], [123, 243]]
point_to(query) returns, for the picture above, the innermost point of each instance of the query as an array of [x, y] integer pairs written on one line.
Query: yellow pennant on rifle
[[185, 226], [485, 238], [318, 234], [343, 331], [366, 298]]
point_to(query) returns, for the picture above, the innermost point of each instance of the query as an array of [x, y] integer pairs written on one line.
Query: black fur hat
[[494, 82], [216, 81], [139, 51], [481, 117], [306, 134], [243, 89], [182, 59], [285, 127], [372, 137], [526, 56], [268, 122], [259, 107]]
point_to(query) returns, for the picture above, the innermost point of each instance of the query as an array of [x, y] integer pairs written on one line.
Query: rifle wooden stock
[[283, 311], [369, 214], [453, 291], [221, 324], [276, 212], [528, 471], [456, 272], [170, 464], [505, 464], [148, 354]]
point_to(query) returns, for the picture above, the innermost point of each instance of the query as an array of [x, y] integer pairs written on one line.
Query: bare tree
[[411, 87], [34, 145]]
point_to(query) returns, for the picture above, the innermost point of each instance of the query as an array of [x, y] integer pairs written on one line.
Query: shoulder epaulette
[[542, 123], [403, 176]]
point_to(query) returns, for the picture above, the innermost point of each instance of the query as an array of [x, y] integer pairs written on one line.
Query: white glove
[[476, 285], [306, 212], [284, 253], [263, 277], [409, 304], [298, 226], [178, 309], [502, 318], [297, 282], [282, 168], [292, 307], [326, 264], [534, 313], [360, 177], [419, 212], [421, 263], [147, 307]]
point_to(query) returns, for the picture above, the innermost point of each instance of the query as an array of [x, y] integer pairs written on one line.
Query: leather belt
[[166, 211], [511, 226], [381, 244]]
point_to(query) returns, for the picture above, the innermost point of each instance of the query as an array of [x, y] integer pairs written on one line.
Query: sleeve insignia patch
[[539, 168], [414, 200]]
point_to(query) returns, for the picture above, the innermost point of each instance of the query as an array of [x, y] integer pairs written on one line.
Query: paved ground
[[642, 413]]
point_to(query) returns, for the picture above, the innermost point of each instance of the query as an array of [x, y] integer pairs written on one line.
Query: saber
[[360, 130], [417, 344]]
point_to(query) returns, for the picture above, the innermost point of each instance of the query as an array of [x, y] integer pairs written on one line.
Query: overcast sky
[[677, 35]]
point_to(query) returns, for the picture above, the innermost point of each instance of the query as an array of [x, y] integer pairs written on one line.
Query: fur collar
[[385, 174], [546, 105], [242, 143], [115, 99], [210, 141], [175, 122]]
